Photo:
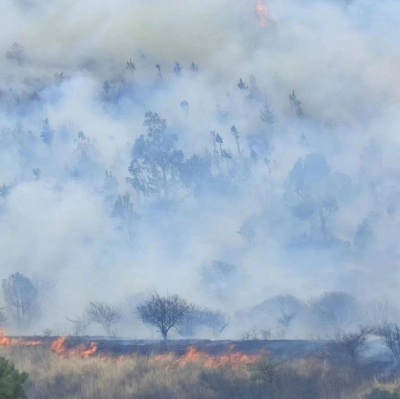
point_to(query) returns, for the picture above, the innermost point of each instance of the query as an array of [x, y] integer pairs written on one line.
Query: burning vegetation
[[61, 347], [193, 355], [7, 341]]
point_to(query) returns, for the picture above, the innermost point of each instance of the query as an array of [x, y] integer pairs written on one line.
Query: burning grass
[[194, 375], [8, 341], [59, 368]]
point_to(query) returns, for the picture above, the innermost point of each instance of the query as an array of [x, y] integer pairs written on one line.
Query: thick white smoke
[[341, 59]]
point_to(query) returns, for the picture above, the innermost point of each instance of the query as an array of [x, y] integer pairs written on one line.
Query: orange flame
[[4, 341], [59, 346], [7, 341], [80, 350], [193, 355], [261, 12]]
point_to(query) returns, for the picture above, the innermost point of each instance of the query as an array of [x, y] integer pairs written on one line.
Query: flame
[[262, 13], [4, 341], [7, 341], [193, 355], [59, 346], [84, 352]]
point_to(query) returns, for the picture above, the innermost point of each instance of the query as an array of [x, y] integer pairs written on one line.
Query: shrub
[[382, 394], [11, 381]]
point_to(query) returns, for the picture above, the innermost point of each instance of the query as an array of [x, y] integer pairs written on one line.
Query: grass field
[[167, 376]]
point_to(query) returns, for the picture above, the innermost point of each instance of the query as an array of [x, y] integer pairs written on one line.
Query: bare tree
[[383, 312], [105, 315], [3, 317], [288, 309], [353, 344], [284, 323], [337, 310], [163, 312], [266, 334], [390, 336], [199, 318], [80, 325], [22, 298], [249, 335]]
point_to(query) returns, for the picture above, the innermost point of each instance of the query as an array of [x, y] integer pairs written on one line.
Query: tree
[[248, 231], [16, 53], [123, 210], [105, 315], [383, 312], [382, 394], [283, 309], [364, 236], [22, 298], [163, 312], [3, 317], [177, 68], [85, 156], [110, 186], [195, 174], [80, 325], [242, 85], [47, 134], [222, 278], [11, 381], [389, 333], [296, 104], [36, 172], [353, 344], [106, 88], [336, 309], [198, 318], [156, 161], [130, 66], [267, 115], [314, 192], [236, 136], [159, 74]]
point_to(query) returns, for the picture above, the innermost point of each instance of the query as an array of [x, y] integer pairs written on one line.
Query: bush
[[382, 394], [11, 381]]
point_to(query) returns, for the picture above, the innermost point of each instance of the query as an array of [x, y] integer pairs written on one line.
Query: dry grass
[[51, 377]]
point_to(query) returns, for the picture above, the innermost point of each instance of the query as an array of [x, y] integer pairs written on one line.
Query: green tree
[[156, 161], [163, 312], [11, 381]]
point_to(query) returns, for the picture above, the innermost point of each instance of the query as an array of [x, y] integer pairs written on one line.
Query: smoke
[[69, 67]]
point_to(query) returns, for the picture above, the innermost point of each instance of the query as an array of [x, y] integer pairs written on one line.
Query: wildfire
[[59, 346], [193, 355], [4, 341], [7, 341], [84, 352], [261, 12]]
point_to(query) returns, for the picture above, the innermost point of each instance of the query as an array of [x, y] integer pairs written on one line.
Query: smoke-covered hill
[[180, 147]]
